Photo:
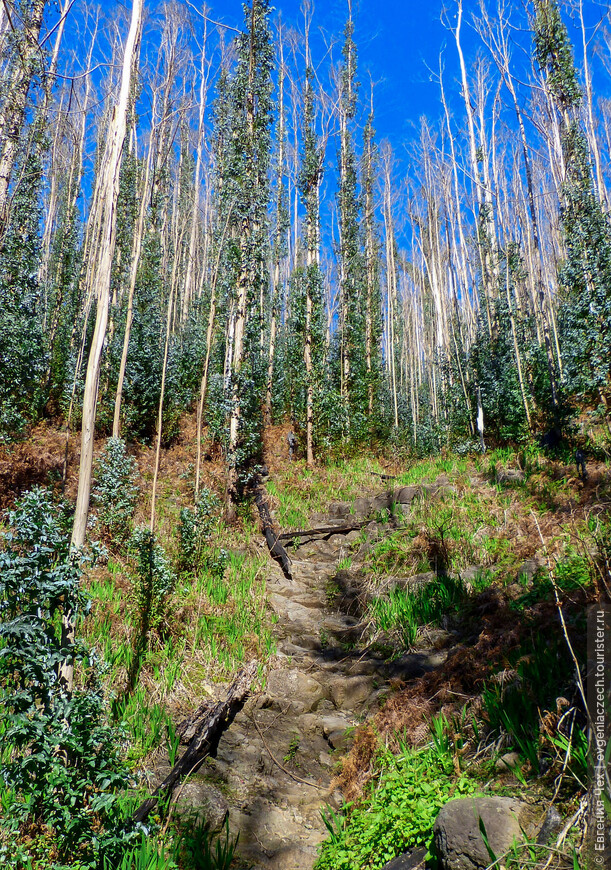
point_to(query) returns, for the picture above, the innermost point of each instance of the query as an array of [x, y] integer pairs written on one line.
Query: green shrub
[[61, 775], [115, 490], [396, 814], [154, 580], [195, 530]]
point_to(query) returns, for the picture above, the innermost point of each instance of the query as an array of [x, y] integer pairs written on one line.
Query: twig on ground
[[281, 766]]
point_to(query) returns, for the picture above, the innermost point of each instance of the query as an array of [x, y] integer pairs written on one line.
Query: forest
[[305, 441]]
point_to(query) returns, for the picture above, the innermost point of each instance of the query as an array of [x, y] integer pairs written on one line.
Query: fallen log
[[325, 531], [188, 728], [272, 538], [206, 739]]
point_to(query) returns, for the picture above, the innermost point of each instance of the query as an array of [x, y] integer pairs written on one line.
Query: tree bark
[[108, 189]]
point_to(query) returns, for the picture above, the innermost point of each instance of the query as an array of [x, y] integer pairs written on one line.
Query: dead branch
[[272, 538]]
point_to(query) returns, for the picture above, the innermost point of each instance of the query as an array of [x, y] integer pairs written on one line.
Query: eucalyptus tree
[[373, 315], [280, 228], [353, 377], [585, 275], [310, 179], [22, 62], [243, 190], [104, 216]]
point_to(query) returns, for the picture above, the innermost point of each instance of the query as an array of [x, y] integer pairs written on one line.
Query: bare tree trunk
[[14, 106], [108, 187], [279, 238], [371, 259], [133, 274], [190, 273], [108, 184], [391, 282]]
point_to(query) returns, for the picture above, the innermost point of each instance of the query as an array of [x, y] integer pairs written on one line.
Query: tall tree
[[104, 216], [585, 276], [25, 21], [244, 196]]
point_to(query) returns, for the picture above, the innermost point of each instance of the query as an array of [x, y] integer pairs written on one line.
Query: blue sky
[[394, 39], [398, 42]]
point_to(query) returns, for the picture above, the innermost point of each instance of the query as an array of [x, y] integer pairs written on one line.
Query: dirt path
[[274, 766]]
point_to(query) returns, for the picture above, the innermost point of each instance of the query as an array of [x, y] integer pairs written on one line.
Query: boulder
[[302, 692], [405, 495], [382, 502], [362, 507], [458, 840], [339, 509], [205, 802]]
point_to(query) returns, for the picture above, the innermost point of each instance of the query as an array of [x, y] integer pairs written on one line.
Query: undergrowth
[[397, 811], [501, 562]]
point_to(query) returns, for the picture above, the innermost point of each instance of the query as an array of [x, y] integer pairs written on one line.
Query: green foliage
[[115, 490], [198, 849], [243, 119], [404, 611], [22, 347], [195, 530], [397, 813], [554, 53], [154, 580], [148, 854], [585, 277], [61, 771], [536, 674]]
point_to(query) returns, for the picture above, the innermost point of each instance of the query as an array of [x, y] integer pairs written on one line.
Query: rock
[[407, 861], [551, 826], [362, 508], [471, 574], [205, 801], [457, 837], [350, 693], [301, 691], [331, 724], [405, 495], [334, 729], [339, 509], [507, 762], [382, 502]]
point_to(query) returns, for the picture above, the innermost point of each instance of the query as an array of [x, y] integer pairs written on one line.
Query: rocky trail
[[273, 771]]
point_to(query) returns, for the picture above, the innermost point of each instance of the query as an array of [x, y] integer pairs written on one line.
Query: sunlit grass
[[298, 491]]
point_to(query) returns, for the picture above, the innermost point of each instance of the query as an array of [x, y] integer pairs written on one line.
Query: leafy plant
[[115, 490], [397, 813], [404, 611], [195, 530], [153, 582], [200, 850], [61, 774]]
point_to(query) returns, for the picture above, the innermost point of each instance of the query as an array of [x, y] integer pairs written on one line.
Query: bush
[[115, 490], [195, 530], [61, 775]]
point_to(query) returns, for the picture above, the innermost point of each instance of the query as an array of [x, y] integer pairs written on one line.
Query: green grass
[[300, 491], [402, 612]]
